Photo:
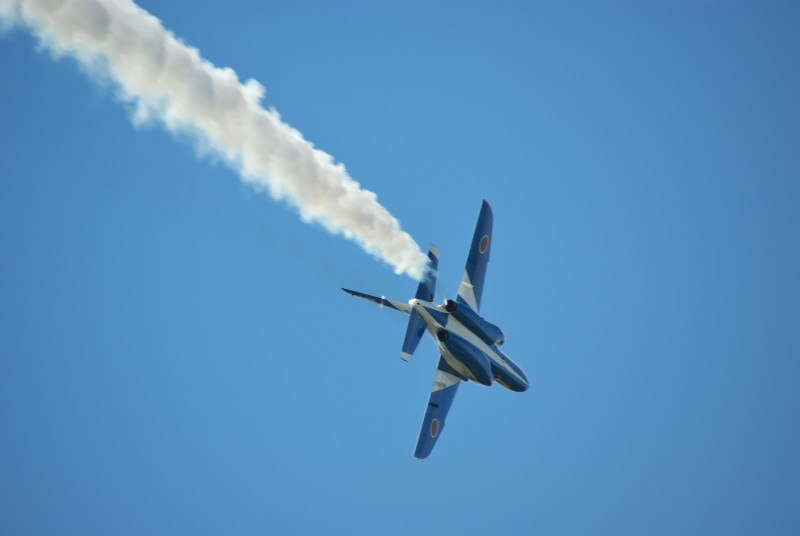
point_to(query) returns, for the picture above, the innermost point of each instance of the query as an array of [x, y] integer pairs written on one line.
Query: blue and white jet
[[468, 345]]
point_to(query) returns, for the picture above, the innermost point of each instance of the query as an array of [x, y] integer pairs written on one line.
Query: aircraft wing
[[445, 386], [471, 287]]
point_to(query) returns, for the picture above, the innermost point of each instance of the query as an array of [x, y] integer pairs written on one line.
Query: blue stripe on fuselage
[[438, 316]]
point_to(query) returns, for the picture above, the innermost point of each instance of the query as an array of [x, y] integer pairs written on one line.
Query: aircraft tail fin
[[425, 292], [383, 302]]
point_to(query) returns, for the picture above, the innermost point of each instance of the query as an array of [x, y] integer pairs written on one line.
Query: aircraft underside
[[468, 345]]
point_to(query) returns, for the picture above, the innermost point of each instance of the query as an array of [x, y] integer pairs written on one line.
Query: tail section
[[427, 286], [425, 292], [416, 327], [383, 302]]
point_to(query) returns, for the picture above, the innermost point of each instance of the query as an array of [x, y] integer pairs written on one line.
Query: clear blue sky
[[176, 356]]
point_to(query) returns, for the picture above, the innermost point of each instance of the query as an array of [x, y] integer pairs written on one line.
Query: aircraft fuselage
[[463, 341]]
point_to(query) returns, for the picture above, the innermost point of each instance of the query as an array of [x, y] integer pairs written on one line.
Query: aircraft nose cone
[[525, 384]]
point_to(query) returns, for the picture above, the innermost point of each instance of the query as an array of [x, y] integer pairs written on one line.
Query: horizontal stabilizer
[[425, 291], [416, 327], [427, 285]]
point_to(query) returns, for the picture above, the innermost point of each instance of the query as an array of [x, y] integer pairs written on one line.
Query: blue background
[[176, 356]]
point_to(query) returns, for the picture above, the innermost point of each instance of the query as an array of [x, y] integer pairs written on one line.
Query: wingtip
[[421, 454]]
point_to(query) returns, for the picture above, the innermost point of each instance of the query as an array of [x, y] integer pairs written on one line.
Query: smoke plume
[[167, 81]]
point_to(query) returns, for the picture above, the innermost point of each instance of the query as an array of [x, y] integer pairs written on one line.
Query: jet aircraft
[[468, 345]]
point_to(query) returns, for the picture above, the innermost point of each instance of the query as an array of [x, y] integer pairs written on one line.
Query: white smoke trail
[[166, 80]]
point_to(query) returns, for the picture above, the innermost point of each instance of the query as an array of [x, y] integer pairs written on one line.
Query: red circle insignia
[[434, 427], [484, 245]]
